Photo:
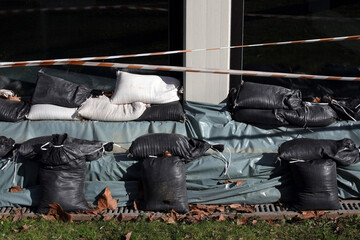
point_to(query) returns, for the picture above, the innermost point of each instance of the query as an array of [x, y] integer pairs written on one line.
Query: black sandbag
[[264, 96], [92, 150], [30, 149], [154, 144], [258, 116], [13, 111], [57, 91], [316, 185], [6, 145], [344, 151], [172, 111], [164, 184], [310, 115], [62, 172]]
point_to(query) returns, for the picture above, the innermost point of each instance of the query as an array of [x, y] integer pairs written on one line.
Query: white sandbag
[[102, 109], [150, 89], [52, 112]]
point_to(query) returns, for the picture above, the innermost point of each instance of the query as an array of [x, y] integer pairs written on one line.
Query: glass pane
[[288, 20], [51, 29]]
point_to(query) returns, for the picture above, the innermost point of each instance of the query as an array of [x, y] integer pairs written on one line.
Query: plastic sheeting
[[265, 180], [253, 158]]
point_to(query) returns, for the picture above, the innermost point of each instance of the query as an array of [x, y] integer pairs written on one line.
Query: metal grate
[[265, 211]]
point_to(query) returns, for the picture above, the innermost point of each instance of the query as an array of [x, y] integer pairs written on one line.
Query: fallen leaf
[[167, 154], [317, 100], [312, 214], [174, 215], [58, 212], [222, 218], [237, 183], [128, 236], [18, 216], [151, 218], [241, 221], [241, 208], [254, 222], [24, 228], [15, 189], [171, 220], [106, 201], [337, 229], [135, 205], [198, 212], [221, 209], [126, 217], [14, 98], [211, 208]]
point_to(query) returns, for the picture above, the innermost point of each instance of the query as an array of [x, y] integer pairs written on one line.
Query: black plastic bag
[[62, 173], [344, 151], [316, 185], [264, 96], [13, 111], [155, 144], [57, 91], [258, 116], [310, 115], [164, 184], [6, 145], [92, 150], [172, 111], [31, 148]]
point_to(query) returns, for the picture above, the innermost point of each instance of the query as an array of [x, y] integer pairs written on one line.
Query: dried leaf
[[48, 217], [106, 201], [128, 236], [174, 215], [241, 221], [14, 98], [171, 220], [198, 212], [167, 154], [317, 100], [222, 218], [24, 228], [221, 209], [15, 189], [312, 214], [126, 217], [241, 208], [135, 205], [236, 182], [151, 218], [211, 208], [18, 216], [254, 222], [59, 213]]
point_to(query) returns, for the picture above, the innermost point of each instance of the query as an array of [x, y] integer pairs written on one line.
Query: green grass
[[343, 228]]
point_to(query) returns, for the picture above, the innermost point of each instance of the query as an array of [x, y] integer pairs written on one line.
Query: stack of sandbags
[[163, 168], [275, 105], [313, 167], [12, 109], [133, 99], [57, 99]]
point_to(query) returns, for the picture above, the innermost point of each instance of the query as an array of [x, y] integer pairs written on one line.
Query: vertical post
[[207, 25]]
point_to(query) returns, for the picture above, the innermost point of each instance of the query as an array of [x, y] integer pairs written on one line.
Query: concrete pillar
[[207, 25]]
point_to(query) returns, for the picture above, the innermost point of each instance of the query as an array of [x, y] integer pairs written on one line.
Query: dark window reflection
[[318, 19], [64, 33]]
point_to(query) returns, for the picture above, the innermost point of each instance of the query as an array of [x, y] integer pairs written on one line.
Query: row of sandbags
[[136, 97], [62, 167], [313, 169], [278, 106]]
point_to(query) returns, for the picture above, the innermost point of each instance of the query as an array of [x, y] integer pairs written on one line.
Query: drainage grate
[[264, 211]]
